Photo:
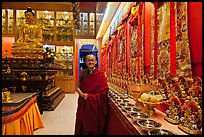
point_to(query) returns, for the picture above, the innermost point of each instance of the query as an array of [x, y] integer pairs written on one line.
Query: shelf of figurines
[[180, 109]]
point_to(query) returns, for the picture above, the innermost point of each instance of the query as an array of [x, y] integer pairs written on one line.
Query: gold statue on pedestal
[[173, 114], [29, 44], [191, 120]]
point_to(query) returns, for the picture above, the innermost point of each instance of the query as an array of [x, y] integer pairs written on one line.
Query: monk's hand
[[85, 95]]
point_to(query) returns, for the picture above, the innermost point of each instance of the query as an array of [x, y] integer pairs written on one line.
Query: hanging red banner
[[172, 40]]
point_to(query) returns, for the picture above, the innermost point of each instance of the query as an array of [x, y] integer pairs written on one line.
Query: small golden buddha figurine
[[6, 54], [173, 114], [29, 43], [196, 93], [191, 120]]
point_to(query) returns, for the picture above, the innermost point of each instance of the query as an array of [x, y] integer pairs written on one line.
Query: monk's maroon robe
[[92, 112]]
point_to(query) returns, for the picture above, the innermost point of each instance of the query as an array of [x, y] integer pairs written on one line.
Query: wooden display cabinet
[[91, 23], [87, 26], [65, 78], [98, 21], [46, 20], [3, 20], [8, 22], [83, 23], [64, 25]]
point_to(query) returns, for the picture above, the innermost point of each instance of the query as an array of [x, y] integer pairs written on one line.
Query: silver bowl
[[121, 97], [147, 124], [160, 132], [126, 104], [125, 100], [138, 115], [119, 100], [115, 97], [130, 109]]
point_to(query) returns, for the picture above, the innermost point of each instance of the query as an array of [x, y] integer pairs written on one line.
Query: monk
[[93, 100]]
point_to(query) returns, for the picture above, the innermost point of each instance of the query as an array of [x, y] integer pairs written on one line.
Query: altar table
[[21, 116], [119, 123]]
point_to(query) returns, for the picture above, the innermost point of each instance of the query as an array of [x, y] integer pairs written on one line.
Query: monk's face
[[91, 61]]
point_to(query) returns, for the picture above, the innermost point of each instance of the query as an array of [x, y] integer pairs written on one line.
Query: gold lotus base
[[27, 53], [176, 122], [187, 130]]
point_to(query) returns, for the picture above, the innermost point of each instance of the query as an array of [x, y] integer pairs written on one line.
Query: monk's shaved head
[[90, 56]]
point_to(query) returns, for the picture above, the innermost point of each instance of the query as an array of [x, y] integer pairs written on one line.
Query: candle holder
[[6, 96]]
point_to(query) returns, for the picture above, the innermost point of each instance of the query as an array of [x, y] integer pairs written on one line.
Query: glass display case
[[91, 23], [65, 57], [10, 21], [99, 17], [64, 25], [3, 20], [52, 47], [7, 21], [83, 28], [46, 20], [88, 24]]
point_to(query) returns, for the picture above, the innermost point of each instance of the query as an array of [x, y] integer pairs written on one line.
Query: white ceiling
[[108, 15]]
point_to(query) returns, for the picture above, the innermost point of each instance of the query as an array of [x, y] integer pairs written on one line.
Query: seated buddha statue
[[191, 120], [29, 43], [173, 113]]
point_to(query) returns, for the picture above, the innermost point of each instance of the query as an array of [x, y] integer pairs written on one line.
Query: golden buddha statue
[[173, 114], [29, 43], [191, 120]]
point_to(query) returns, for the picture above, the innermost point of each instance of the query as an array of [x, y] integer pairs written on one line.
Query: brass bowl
[[148, 124], [160, 132]]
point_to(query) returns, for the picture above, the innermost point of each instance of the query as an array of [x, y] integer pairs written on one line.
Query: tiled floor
[[61, 121]]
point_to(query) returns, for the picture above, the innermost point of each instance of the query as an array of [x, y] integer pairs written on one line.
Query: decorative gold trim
[[185, 129], [172, 121]]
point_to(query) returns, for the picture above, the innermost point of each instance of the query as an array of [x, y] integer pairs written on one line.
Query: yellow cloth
[[26, 124]]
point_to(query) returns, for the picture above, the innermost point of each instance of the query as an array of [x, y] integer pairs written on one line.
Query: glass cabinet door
[[3, 20], [87, 24], [7, 21], [98, 21], [46, 20], [65, 57], [64, 26], [84, 23], [10, 21], [91, 23]]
